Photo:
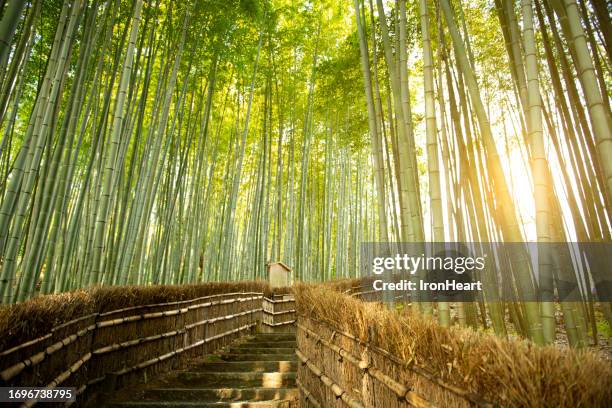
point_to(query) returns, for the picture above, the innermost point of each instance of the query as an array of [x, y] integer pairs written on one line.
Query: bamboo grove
[[547, 92], [157, 142], [152, 141]]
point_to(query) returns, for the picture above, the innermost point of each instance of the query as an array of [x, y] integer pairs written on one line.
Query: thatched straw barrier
[[38, 317], [79, 340], [362, 354], [278, 314]]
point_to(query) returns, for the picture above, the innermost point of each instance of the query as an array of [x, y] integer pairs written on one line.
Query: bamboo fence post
[[367, 383]]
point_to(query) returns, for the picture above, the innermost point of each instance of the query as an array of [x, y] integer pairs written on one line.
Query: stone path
[[257, 372]]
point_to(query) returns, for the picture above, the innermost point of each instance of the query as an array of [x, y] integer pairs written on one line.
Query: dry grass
[[506, 372], [343, 285], [36, 317]]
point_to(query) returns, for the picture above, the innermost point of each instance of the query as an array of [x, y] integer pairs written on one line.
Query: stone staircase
[[257, 372]]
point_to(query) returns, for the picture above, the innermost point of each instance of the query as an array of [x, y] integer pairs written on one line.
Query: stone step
[[266, 343], [274, 336], [200, 404], [236, 379], [259, 357], [261, 350], [254, 366], [216, 394]]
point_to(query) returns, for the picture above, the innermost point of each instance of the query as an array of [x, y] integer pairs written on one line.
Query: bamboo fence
[[338, 370], [104, 351], [278, 314]]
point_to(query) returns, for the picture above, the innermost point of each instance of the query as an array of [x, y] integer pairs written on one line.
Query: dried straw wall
[[101, 349], [278, 314], [361, 354]]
